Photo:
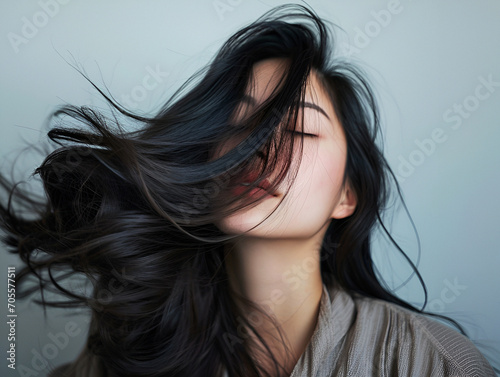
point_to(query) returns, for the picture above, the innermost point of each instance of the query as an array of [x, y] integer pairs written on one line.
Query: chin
[[236, 224], [242, 221]]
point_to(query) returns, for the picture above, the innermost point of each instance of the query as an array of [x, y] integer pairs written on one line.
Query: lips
[[249, 178]]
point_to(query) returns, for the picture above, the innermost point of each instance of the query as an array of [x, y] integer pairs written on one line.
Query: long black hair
[[133, 212]]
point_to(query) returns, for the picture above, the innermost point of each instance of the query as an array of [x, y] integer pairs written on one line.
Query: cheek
[[324, 170], [324, 177], [330, 172]]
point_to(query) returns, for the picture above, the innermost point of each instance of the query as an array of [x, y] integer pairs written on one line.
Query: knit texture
[[359, 336]]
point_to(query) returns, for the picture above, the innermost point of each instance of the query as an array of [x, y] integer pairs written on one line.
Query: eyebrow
[[252, 101]]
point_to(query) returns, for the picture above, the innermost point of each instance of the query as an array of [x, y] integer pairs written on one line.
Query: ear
[[347, 203]]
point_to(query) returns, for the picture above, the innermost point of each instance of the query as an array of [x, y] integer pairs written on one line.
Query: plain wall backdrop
[[435, 66]]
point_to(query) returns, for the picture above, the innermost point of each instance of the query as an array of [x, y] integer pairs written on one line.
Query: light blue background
[[423, 59]]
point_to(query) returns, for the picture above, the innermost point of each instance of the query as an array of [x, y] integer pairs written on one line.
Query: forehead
[[268, 76]]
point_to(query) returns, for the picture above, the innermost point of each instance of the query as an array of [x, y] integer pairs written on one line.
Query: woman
[[230, 234]]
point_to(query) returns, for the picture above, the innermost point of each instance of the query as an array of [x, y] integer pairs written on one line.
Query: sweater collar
[[336, 314]]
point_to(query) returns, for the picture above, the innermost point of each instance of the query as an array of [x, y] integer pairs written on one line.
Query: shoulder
[[416, 343]]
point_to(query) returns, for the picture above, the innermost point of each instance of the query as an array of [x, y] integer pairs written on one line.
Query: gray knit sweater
[[358, 336]]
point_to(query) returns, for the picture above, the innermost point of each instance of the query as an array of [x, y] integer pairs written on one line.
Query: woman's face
[[317, 193]]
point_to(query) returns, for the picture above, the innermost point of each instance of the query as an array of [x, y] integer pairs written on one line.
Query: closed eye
[[302, 133]]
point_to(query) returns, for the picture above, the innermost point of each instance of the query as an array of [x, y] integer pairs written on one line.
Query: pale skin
[[276, 265]]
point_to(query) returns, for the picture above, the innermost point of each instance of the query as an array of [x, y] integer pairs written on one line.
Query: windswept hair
[[133, 212]]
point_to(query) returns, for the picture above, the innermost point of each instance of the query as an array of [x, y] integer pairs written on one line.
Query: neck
[[283, 278]]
